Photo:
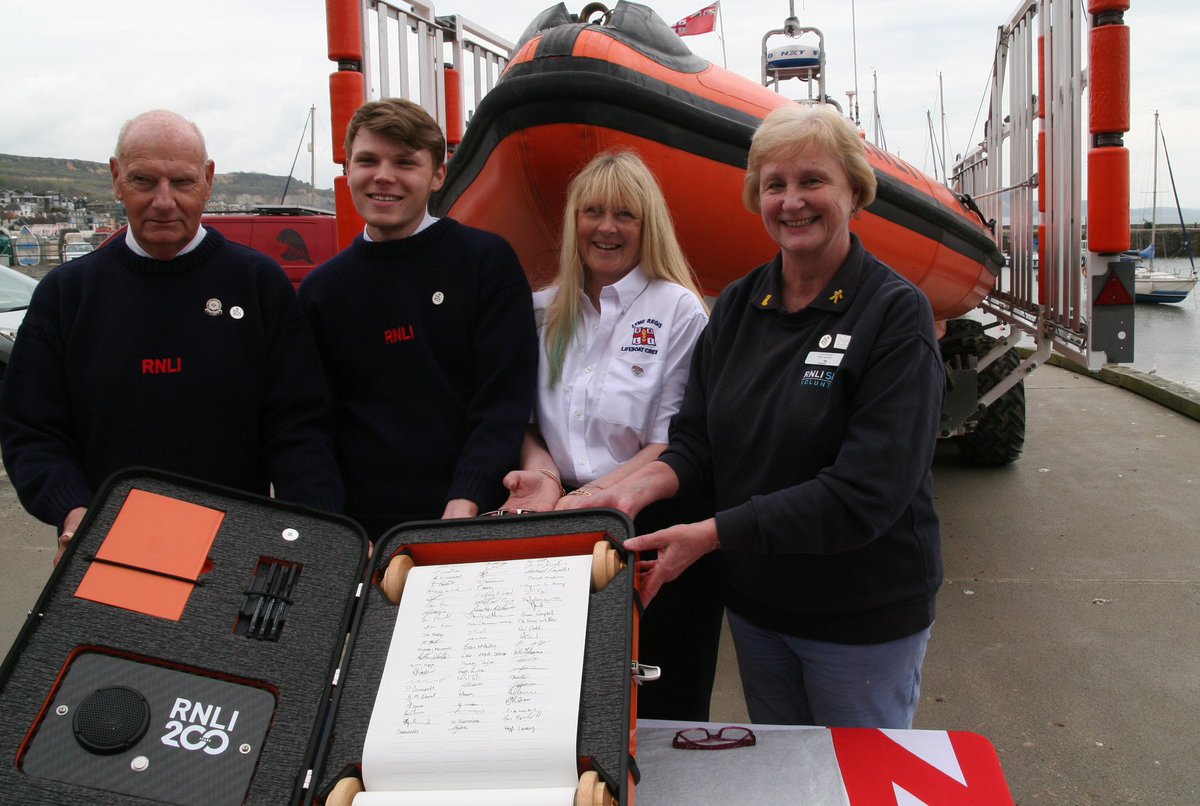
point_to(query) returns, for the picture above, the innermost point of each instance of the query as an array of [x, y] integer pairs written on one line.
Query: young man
[[426, 330], [171, 348]]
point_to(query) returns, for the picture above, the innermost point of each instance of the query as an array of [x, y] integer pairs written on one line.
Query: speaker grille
[[112, 719]]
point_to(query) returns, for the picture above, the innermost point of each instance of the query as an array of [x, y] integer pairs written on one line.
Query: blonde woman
[[616, 331]]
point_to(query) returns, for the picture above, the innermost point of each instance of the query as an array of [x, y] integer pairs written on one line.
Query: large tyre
[[998, 434]]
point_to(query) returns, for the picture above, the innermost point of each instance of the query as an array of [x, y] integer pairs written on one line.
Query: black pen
[[285, 598], [262, 594], [276, 589]]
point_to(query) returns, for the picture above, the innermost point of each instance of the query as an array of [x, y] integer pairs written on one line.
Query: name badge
[[824, 359]]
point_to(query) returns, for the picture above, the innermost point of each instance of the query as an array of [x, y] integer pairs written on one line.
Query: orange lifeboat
[[574, 89]]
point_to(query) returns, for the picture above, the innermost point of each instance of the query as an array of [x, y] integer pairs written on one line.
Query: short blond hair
[[793, 128]]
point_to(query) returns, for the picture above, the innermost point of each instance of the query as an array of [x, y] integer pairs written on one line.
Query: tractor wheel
[[999, 432]]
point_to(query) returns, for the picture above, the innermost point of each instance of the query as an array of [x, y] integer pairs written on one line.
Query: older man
[[173, 348]]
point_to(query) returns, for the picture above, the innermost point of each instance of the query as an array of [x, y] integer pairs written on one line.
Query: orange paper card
[[161, 534], [155, 546], [130, 589]]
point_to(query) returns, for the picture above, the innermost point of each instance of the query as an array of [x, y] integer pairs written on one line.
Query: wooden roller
[[392, 584], [343, 792], [593, 792], [605, 564]]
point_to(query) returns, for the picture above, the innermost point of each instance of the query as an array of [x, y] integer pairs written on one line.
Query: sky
[[247, 72]]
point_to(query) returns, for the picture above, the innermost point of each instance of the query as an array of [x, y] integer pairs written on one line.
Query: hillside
[[91, 180]]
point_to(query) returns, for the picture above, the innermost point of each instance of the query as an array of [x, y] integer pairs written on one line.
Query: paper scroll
[[480, 691]]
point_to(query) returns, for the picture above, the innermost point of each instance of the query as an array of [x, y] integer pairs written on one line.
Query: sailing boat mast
[[309, 118], [312, 154], [942, 108], [1187, 243], [1154, 192], [880, 137]]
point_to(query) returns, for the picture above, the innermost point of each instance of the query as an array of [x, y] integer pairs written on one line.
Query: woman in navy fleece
[[813, 407]]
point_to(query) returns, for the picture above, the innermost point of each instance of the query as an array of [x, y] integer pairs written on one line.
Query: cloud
[[247, 72]]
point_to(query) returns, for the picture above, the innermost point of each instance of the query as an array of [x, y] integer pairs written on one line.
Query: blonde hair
[[793, 128], [616, 180]]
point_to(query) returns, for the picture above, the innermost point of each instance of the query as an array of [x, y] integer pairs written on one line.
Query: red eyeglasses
[[726, 738]]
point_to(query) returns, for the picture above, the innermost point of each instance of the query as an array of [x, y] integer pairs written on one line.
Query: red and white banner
[[834, 766], [702, 22]]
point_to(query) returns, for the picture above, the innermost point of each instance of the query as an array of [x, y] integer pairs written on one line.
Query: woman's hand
[[532, 490], [633, 493], [583, 498], [678, 547]]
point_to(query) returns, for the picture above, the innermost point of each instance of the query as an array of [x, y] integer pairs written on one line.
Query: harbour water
[[1167, 337]]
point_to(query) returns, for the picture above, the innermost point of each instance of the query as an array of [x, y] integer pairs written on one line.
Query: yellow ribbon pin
[[836, 296]]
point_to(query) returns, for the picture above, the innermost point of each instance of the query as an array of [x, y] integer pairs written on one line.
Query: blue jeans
[[795, 681]]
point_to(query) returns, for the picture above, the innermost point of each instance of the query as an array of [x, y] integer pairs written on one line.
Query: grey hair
[[159, 116]]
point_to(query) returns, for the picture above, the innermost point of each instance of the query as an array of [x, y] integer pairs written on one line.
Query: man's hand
[[460, 508], [70, 524], [678, 547]]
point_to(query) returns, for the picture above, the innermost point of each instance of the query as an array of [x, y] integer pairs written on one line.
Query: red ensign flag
[[701, 22]]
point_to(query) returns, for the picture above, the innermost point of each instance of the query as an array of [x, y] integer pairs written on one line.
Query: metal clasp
[[643, 673]]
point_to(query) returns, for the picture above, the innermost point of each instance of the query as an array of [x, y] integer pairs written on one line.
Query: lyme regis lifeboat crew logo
[[644, 338]]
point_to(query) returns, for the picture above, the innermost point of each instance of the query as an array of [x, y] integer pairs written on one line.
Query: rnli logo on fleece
[[820, 378], [162, 366], [644, 340], [395, 335]]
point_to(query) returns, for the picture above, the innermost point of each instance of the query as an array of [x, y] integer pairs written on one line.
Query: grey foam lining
[[297, 668]]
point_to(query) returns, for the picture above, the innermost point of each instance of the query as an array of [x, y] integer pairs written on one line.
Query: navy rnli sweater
[[431, 353], [817, 429], [202, 365]]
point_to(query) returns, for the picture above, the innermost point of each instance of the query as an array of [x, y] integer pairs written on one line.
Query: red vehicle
[[299, 238]]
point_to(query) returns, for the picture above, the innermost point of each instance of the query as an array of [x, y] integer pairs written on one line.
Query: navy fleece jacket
[[818, 430], [431, 352]]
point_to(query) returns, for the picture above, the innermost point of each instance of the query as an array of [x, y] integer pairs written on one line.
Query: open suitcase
[[255, 677]]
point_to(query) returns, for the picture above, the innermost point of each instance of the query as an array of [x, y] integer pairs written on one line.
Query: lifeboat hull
[[573, 90]]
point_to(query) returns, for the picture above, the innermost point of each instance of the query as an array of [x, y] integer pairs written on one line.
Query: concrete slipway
[[1068, 629]]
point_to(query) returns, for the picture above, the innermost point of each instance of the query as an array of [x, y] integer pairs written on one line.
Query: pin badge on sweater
[[213, 307], [236, 312], [438, 297]]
